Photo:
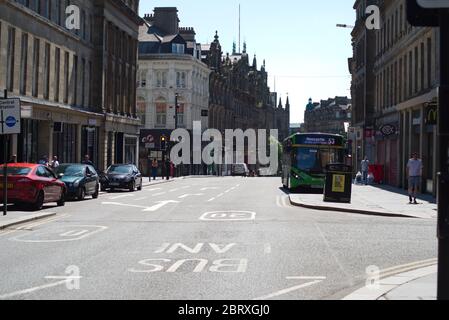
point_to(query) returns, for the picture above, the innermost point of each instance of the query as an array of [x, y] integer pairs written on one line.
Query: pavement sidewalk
[[373, 200], [419, 284], [17, 217]]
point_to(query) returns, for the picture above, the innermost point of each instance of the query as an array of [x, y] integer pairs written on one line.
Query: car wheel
[[95, 195], [103, 189], [141, 186], [132, 186], [39, 202], [61, 202], [81, 194]]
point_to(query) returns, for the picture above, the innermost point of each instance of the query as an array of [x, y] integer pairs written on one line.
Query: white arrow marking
[[123, 205], [159, 205], [295, 288], [191, 195]]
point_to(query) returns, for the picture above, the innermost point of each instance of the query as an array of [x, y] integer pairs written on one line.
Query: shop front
[[387, 148]]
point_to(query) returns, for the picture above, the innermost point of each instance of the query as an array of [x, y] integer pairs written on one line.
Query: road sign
[[422, 15], [10, 116], [433, 4]]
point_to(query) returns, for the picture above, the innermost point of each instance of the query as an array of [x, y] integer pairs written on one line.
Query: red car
[[32, 185]]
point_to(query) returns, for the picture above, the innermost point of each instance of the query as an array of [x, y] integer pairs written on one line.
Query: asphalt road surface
[[204, 238]]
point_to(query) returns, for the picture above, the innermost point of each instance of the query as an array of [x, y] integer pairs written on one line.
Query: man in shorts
[[414, 174]]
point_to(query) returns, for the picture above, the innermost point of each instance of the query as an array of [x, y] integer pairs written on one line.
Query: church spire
[[280, 106], [287, 104], [255, 62]]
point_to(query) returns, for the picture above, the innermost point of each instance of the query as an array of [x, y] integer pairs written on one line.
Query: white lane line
[[220, 195], [174, 190], [267, 248], [278, 201], [140, 199], [210, 200], [123, 205], [159, 194], [31, 290], [121, 196], [154, 189], [159, 205], [209, 188], [190, 195], [292, 289]]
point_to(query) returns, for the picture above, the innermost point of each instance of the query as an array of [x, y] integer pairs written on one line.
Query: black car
[[121, 176], [81, 180]]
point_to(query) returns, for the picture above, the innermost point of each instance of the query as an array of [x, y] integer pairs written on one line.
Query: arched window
[[161, 112]]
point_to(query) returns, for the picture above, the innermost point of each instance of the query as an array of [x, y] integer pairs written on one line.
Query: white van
[[240, 169]]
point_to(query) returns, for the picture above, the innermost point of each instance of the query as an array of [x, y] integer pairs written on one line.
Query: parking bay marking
[[315, 280], [65, 234]]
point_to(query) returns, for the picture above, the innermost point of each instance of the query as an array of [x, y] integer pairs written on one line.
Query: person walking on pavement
[[13, 159], [87, 161], [154, 167], [365, 169], [414, 174], [55, 163]]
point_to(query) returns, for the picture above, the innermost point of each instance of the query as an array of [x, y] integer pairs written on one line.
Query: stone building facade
[[404, 79], [170, 72], [361, 66], [77, 86], [329, 116], [406, 73], [239, 94]]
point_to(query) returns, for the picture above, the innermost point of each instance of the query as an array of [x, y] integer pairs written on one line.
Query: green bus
[[305, 156]]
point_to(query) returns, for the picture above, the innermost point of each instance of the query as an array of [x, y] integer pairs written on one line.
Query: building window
[[24, 64], [57, 72], [47, 71], [161, 112], [10, 58], [36, 49], [177, 48], [429, 62], [66, 77], [181, 112]]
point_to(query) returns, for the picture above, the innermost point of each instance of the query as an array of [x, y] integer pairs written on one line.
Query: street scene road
[[214, 238]]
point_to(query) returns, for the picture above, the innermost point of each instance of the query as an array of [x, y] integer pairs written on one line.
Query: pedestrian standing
[[13, 159], [55, 163], [414, 174], [167, 168], [154, 167], [365, 169]]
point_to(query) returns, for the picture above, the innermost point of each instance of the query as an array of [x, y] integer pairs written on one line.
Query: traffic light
[[163, 143]]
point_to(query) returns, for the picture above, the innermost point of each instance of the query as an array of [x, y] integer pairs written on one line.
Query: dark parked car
[[81, 180], [122, 176]]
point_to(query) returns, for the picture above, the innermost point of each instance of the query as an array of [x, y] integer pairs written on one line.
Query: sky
[[306, 54]]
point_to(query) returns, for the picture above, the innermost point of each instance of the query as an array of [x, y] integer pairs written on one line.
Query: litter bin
[[338, 185]]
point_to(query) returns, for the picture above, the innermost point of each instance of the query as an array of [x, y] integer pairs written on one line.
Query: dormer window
[[177, 48]]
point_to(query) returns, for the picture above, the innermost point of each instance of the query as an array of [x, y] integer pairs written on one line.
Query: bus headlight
[[296, 176]]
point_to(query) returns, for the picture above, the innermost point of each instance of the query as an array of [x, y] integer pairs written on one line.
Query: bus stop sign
[[9, 116]]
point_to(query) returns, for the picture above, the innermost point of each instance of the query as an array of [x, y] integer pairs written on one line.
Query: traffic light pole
[[443, 163]]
